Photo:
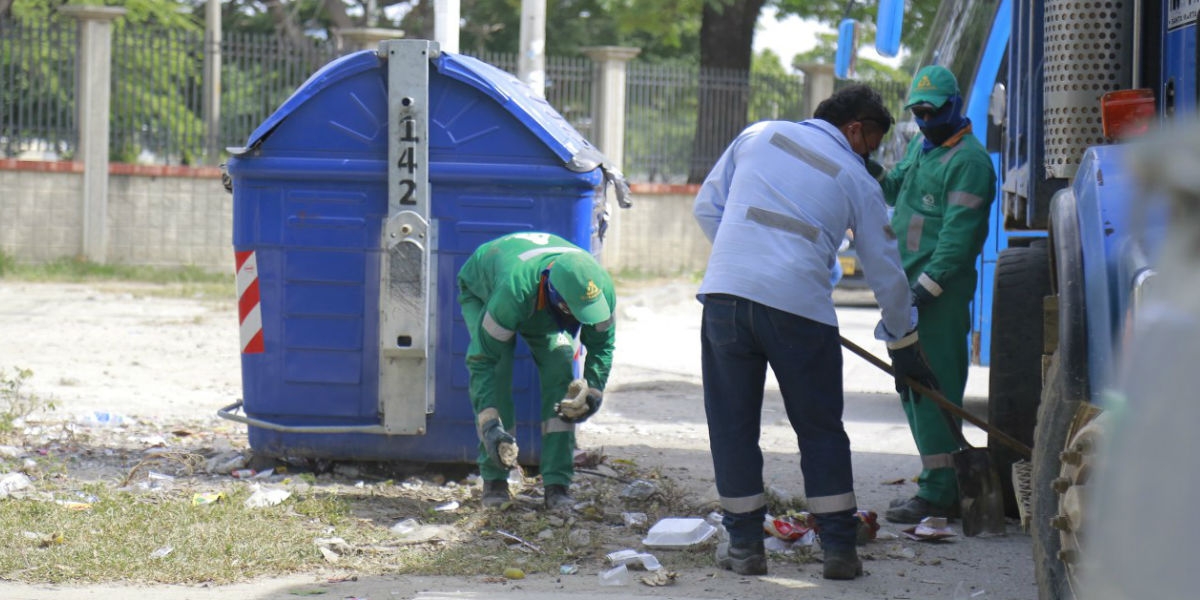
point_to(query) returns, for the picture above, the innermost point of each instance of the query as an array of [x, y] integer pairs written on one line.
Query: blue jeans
[[739, 338]]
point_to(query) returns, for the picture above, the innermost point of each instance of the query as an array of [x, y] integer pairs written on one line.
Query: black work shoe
[[750, 559], [842, 563], [916, 508], [557, 497], [495, 493]]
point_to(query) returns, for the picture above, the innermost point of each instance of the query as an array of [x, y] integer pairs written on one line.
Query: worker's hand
[[578, 413], [875, 169], [500, 445], [908, 360]]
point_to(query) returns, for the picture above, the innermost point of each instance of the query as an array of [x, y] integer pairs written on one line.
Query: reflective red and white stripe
[[249, 312]]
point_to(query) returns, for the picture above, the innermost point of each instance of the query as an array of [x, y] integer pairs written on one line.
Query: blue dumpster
[[355, 205]]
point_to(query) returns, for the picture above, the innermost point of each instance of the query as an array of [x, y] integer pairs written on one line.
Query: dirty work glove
[[875, 169], [908, 360], [580, 403], [500, 445]]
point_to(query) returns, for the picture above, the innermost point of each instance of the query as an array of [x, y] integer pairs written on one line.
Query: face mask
[[943, 124]]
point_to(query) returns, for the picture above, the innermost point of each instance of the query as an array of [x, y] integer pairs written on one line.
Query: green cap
[[933, 85], [577, 278]]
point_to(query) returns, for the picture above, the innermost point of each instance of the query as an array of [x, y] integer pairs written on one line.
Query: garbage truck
[[1059, 92]]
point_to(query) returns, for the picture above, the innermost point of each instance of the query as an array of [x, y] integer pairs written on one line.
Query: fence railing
[[157, 113], [37, 91]]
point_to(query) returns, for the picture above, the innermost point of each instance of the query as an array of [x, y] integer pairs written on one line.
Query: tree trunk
[[726, 49], [285, 23]]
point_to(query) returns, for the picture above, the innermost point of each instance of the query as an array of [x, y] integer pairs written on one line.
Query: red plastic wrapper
[[790, 527], [868, 526]]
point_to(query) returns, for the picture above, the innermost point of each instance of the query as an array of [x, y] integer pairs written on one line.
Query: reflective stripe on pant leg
[[473, 312], [807, 360], [553, 354], [944, 326], [734, 372]]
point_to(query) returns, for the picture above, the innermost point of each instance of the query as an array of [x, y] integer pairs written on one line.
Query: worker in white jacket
[[776, 206]]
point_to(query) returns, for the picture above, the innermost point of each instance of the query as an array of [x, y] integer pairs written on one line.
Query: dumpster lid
[[518, 99], [535, 113], [336, 70]]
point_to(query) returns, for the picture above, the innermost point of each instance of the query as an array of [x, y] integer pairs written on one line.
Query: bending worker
[[776, 206], [942, 192], [548, 290]]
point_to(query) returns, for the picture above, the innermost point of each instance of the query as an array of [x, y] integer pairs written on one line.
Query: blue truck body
[[1072, 243]]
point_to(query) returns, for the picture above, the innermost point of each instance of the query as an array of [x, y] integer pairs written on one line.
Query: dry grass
[[119, 531]]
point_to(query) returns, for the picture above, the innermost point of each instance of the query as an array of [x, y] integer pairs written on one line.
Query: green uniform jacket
[[942, 200], [504, 275]]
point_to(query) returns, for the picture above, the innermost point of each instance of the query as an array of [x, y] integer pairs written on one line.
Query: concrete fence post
[[818, 85], [212, 82], [93, 91], [608, 126]]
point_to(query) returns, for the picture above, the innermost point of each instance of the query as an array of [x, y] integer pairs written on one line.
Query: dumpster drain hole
[[404, 341]]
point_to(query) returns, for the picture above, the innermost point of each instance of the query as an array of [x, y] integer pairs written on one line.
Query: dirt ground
[[119, 350]]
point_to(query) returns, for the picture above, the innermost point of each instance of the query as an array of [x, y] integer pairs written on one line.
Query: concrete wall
[[180, 216], [159, 216]]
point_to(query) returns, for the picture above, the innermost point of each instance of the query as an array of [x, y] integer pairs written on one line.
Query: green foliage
[[774, 93], [15, 402], [187, 282], [918, 16]]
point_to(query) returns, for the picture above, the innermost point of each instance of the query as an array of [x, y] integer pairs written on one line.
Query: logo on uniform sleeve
[[592, 290], [927, 200]]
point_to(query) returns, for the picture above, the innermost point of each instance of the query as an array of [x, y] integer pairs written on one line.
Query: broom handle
[[941, 401]]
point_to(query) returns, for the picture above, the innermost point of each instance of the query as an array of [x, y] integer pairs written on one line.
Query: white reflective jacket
[[777, 205]]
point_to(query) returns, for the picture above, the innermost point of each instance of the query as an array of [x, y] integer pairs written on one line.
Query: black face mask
[[938, 134], [943, 124]]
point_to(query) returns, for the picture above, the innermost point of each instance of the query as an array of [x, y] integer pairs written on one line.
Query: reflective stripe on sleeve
[[966, 199], [743, 504], [907, 340], [928, 283], [782, 222], [813, 159], [496, 330], [937, 461], [829, 504]]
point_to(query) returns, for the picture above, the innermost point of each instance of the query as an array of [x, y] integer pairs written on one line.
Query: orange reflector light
[[1126, 113]]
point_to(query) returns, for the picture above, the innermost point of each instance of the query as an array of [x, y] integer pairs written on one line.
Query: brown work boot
[[495, 493], [842, 563], [743, 559], [916, 508]]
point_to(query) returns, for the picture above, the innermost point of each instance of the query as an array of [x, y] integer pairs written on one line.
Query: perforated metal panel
[[1088, 51]]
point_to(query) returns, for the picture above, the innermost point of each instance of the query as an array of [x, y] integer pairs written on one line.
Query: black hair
[[855, 102]]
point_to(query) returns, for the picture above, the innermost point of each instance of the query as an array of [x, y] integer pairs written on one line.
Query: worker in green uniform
[[548, 290], [942, 193]]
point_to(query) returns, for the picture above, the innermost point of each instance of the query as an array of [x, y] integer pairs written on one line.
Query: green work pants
[[553, 353], [944, 325]]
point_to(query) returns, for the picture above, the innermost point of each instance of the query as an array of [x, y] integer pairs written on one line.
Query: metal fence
[[37, 91], [258, 73], [157, 113]]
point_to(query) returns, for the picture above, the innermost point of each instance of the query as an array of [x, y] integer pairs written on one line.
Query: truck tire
[[1015, 375], [1054, 417]]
